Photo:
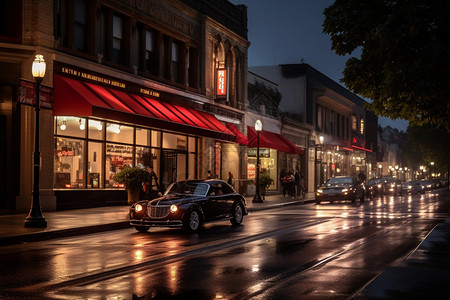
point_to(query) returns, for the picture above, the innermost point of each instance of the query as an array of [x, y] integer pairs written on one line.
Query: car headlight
[[173, 209], [344, 190], [320, 191], [379, 186], [138, 208]]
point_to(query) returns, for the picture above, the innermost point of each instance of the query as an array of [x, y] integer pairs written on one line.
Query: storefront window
[[95, 165], [192, 144], [71, 126], [174, 141], [268, 161], [192, 174], [148, 157], [117, 157], [156, 138], [95, 129], [68, 163], [142, 136], [119, 133]]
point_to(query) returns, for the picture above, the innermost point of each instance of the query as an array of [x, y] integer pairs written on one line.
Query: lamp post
[[380, 166], [35, 217], [257, 198]]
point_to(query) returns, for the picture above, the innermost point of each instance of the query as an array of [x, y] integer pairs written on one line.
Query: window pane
[[148, 157], [142, 136], [192, 145], [174, 141], [174, 52], [117, 27], [80, 11], [71, 126], [95, 129], [148, 40], [117, 157], [192, 164], [119, 133], [68, 163], [95, 165], [156, 138]]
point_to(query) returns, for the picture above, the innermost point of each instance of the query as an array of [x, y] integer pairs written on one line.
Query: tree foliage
[[428, 144], [403, 62]]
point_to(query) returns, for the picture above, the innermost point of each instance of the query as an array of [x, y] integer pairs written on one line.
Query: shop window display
[[70, 126], [268, 161], [95, 165], [119, 133], [68, 163], [95, 129], [117, 157]]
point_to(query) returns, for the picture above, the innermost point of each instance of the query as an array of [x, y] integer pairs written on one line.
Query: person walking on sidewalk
[[283, 174]]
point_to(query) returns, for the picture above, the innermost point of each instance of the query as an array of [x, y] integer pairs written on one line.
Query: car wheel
[[192, 222], [238, 215], [142, 228]]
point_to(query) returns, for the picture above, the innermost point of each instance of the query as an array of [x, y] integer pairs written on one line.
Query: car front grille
[[158, 211]]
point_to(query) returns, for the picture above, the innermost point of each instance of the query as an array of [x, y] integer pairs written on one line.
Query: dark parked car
[[392, 185], [411, 187], [374, 188], [189, 204], [340, 188]]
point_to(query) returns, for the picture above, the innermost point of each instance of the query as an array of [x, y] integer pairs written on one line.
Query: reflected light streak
[[255, 268], [138, 255]]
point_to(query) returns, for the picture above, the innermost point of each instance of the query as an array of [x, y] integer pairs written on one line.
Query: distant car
[[411, 187], [189, 204], [374, 188], [392, 185], [427, 185], [340, 188]]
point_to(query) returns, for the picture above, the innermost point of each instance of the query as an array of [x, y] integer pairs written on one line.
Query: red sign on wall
[[27, 94], [221, 85]]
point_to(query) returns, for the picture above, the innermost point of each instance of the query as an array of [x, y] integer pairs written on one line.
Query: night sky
[[289, 32]]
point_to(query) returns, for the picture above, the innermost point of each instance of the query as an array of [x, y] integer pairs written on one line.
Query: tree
[[404, 55], [429, 144]]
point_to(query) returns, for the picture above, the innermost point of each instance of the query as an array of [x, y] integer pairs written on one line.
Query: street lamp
[[35, 217], [380, 166], [257, 198]]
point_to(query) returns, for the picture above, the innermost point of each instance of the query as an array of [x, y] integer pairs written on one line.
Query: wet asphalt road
[[308, 251]]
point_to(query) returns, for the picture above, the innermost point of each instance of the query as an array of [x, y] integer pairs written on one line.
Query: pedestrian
[[291, 183], [230, 179], [302, 184], [362, 177], [283, 174], [209, 176], [152, 187]]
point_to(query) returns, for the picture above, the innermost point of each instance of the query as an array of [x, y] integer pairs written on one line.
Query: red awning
[[272, 140], [240, 137], [294, 149], [84, 99]]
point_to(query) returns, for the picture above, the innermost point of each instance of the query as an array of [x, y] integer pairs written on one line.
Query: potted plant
[[132, 178], [264, 182]]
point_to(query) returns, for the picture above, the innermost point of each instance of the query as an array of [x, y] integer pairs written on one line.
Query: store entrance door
[[173, 167]]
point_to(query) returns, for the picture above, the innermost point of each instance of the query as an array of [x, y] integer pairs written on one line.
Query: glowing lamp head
[[38, 68], [258, 125]]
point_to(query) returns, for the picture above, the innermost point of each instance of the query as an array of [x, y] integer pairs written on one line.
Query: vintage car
[[189, 204], [392, 185], [340, 188]]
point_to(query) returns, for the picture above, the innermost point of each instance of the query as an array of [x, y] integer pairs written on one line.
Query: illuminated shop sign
[[221, 83], [103, 79], [263, 152]]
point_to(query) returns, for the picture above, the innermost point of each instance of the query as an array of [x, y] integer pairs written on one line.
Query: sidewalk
[[92, 220]]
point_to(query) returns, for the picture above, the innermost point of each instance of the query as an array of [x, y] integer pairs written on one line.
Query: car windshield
[[339, 181], [188, 188]]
